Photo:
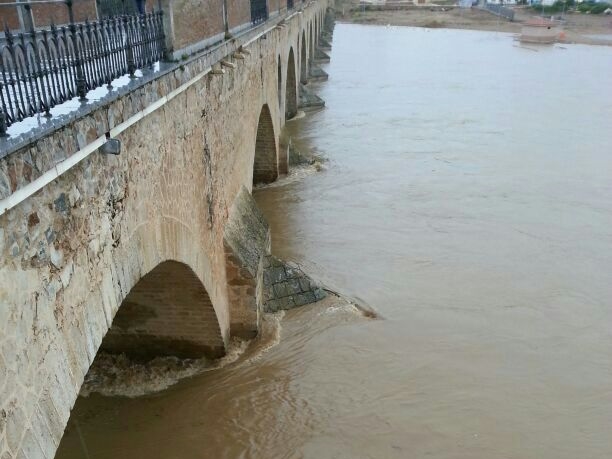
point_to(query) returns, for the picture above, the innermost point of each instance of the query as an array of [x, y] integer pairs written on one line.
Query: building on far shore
[[501, 2]]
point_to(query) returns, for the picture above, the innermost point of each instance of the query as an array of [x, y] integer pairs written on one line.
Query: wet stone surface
[[309, 100], [286, 286]]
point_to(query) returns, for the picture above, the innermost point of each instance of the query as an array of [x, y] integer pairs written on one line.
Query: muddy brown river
[[467, 198]]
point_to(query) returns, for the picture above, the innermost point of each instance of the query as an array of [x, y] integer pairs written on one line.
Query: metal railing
[[43, 68], [40, 69]]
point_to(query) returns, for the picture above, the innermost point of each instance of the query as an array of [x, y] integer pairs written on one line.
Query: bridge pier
[[246, 242]]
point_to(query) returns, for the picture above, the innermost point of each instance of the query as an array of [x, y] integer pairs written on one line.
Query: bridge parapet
[[27, 157]]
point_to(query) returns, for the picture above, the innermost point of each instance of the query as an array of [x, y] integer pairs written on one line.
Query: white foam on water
[[119, 376], [295, 174], [299, 115], [271, 335], [343, 308]]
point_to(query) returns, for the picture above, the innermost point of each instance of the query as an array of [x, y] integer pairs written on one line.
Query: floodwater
[[467, 198]]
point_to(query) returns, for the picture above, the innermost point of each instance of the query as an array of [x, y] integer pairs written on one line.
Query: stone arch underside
[[303, 60], [167, 313], [279, 76], [312, 42], [290, 88], [265, 164]]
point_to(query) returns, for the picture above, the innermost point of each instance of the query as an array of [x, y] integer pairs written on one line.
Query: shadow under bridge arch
[[265, 163], [291, 102], [167, 313]]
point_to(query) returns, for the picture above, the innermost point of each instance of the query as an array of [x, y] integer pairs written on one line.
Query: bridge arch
[[279, 77], [290, 87], [312, 42], [303, 60], [168, 312], [265, 163]]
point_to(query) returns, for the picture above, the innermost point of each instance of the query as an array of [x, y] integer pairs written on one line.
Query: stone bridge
[[158, 250]]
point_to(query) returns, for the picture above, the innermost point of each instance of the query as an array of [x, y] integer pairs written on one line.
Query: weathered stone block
[[15, 424], [320, 294], [304, 284], [31, 447], [280, 290], [278, 274], [293, 286], [286, 303]]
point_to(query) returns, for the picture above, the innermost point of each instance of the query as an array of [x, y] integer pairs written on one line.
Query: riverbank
[[579, 28]]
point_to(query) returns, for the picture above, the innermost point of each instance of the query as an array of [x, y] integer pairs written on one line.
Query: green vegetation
[[592, 8], [569, 5], [558, 7]]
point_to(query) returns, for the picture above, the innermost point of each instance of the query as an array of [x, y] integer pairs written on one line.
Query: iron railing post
[[3, 122], [78, 58], [37, 73], [129, 50]]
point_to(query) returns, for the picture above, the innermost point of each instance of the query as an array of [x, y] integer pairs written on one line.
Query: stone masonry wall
[[196, 20], [286, 286], [238, 12], [45, 14], [72, 252], [246, 243]]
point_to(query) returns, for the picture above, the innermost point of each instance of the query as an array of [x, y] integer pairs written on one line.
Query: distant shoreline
[[578, 27]]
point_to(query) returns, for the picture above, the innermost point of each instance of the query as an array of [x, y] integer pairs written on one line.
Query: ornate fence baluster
[[106, 55], [40, 69], [85, 52], [65, 67], [20, 80], [26, 76], [50, 68], [3, 118], [6, 85], [129, 47], [77, 58], [3, 105], [139, 55], [38, 73], [113, 49], [89, 62]]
